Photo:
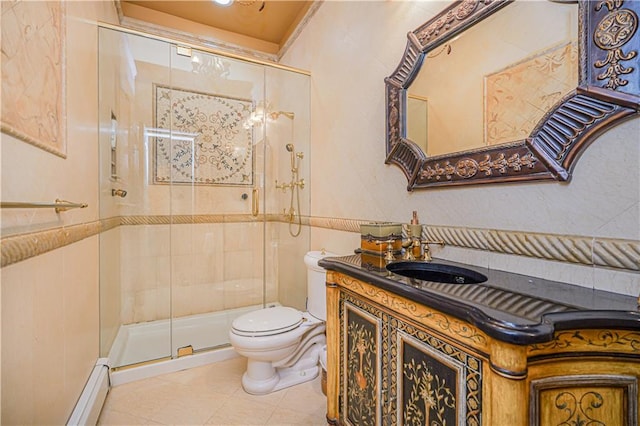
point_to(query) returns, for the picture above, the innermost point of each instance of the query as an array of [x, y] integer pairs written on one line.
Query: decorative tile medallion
[[200, 138]]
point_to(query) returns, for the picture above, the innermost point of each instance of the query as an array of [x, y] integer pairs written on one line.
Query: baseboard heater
[[89, 405]]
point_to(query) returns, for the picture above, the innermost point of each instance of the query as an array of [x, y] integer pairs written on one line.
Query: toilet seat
[[267, 322]]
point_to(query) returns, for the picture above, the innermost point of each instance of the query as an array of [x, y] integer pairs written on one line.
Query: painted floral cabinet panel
[[437, 383], [392, 373], [361, 364]]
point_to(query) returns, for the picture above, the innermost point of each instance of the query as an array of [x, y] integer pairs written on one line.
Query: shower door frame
[[119, 223]]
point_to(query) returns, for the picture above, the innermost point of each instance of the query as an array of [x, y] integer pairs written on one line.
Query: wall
[[350, 47], [50, 302]]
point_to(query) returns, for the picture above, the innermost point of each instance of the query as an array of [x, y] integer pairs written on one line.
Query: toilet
[[282, 344]]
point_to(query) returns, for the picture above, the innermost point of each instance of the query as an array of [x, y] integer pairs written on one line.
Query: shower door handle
[[255, 206]]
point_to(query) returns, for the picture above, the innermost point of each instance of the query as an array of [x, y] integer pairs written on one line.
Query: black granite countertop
[[509, 307]]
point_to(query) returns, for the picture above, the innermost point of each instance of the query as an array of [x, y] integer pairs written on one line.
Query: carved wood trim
[[578, 398], [583, 341], [614, 62], [462, 331], [608, 93], [565, 131], [513, 162]]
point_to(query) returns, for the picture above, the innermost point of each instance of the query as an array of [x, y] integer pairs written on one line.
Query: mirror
[[502, 91], [505, 102]]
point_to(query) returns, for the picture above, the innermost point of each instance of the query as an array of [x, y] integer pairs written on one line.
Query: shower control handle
[[118, 193]]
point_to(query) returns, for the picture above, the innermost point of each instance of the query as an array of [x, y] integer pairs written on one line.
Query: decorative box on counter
[[372, 262], [375, 237]]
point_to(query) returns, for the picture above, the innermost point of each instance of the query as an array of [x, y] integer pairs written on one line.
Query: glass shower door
[[135, 274], [217, 229], [181, 160], [197, 231]]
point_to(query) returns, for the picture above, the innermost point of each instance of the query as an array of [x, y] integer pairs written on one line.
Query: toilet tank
[[316, 279]]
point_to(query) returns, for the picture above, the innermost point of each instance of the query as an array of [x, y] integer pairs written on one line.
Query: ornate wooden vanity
[[514, 350]]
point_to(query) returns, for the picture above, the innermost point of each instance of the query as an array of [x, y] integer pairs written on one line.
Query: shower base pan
[[165, 339]]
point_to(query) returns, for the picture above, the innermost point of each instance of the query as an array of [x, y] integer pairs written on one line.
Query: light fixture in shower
[[263, 112], [209, 65], [223, 2]]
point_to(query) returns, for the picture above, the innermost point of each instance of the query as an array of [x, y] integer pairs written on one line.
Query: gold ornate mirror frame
[[608, 92]]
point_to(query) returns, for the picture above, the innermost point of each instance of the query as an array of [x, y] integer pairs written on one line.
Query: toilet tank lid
[[278, 319], [311, 258]]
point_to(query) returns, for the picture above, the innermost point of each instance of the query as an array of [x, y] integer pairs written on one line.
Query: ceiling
[[271, 21]]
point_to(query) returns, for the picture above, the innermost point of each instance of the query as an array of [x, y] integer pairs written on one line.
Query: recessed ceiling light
[[223, 2]]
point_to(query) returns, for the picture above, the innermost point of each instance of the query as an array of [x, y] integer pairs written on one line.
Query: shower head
[[289, 147]]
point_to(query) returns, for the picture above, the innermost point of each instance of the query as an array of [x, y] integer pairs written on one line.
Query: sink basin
[[436, 272]]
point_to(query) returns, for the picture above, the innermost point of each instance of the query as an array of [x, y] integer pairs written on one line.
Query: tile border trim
[[17, 248], [590, 251]]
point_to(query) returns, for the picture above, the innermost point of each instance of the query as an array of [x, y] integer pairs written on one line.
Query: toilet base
[[283, 379], [294, 364], [262, 377]]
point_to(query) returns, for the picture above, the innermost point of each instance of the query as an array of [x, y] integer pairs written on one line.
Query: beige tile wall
[[186, 269], [110, 291], [50, 302], [49, 333]]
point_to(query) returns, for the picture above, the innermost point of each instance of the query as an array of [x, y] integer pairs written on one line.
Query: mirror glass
[[494, 82], [417, 115]]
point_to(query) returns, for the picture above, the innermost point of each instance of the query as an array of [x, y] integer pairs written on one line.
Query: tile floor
[[211, 395]]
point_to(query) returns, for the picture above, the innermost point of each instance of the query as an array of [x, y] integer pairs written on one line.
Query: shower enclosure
[[191, 145]]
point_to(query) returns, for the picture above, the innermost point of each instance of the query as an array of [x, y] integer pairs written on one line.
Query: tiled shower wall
[[186, 269]]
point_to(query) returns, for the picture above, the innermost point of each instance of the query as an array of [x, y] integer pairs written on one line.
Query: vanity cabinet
[[585, 377], [393, 372], [393, 361]]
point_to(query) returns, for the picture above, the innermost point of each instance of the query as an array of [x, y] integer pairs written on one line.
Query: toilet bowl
[[282, 344]]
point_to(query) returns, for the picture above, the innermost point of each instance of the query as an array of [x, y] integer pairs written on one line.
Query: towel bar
[[59, 205]]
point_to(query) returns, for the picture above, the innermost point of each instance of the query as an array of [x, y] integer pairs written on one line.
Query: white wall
[[350, 47]]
